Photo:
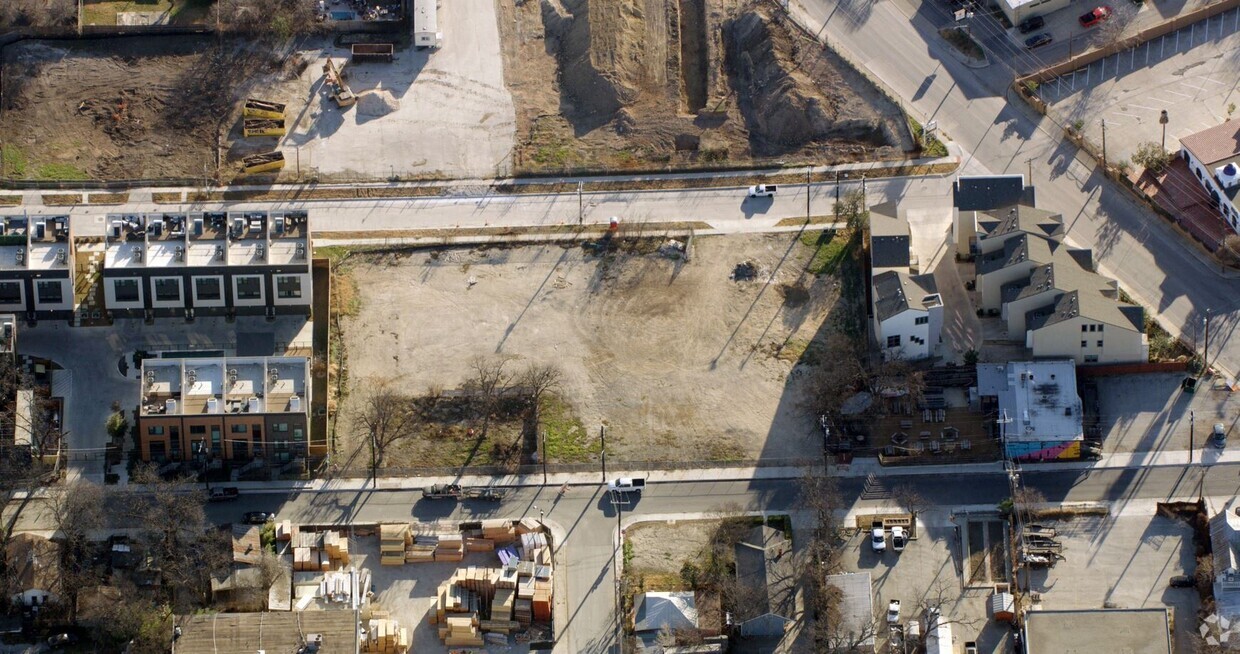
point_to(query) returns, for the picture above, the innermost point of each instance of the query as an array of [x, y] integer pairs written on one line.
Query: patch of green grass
[[962, 42], [567, 438], [830, 248], [59, 171], [931, 146], [180, 12], [552, 155], [14, 161]]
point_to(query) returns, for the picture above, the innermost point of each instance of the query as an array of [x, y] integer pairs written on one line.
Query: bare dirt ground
[[677, 359], [641, 83], [123, 108]]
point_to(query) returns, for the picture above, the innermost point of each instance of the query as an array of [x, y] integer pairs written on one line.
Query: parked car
[[878, 539], [1096, 15], [1182, 581], [63, 639], [762, 190], [1218, 435], [223, 494], [1038, 40], [893, 612], [1031, 23], [898, 539], [258, 517], [627, 485]]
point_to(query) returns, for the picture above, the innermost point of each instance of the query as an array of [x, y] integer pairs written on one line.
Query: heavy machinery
[[342, 94]]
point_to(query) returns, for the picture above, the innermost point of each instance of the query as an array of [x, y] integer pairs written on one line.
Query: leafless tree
[[852, 210], [831, 385], [1229, 249], [137, 624], [938, 596], [491, 379], [1115, 27], [910, 499], [78, 510], [37, 13], [281, 19], [1027, 501], [538, 379], [387, 415]]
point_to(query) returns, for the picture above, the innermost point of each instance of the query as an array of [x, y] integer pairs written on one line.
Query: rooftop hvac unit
[[294, 403], [239, 225], [21, 257], [180, 253], [198, 226], [232, 373], [170, 406], [1228, 176], [252, 405], [116, 229], [219, 253], [191, 375], [137, 253], [279, 224], [213, 405], [260, 251], [273, 374], [301, 250], [256, 225], [62, 255]]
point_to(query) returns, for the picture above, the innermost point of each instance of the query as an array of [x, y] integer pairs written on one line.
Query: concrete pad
[[1149, 413]]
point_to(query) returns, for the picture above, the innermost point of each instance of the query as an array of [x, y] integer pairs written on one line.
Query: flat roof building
[[36, 267], [1036, 405], [1132, 631]]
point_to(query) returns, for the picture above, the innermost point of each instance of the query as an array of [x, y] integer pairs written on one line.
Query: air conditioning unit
[[219, 253], [21, 257], [213, 405], [62, 255], [294, 403], [260, 251], [180, 253], [137, 253]]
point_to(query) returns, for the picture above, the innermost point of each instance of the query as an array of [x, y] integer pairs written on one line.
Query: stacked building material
[[542, 601], [523, 612], [386, 636], [422, 550], [499, 531], [393, 539], [304, 559], [285, 531], [502, 604], [461, 631], [337, 546], [479, 545], [450, 548]]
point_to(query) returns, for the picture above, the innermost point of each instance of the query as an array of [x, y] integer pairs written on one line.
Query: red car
[[1097, 15]]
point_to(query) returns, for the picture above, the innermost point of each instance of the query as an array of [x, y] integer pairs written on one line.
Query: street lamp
[[1163, 119]]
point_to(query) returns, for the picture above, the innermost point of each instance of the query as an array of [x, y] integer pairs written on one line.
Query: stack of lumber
[[337, 546], [386, 636], [499, 531], [393, 539], [461, 631], [285, 531], [528, 526], [523, 612], [542, 601], [307, 539], [507, 578], [479, 545], [450, 548], [501, 606], [422, 550]]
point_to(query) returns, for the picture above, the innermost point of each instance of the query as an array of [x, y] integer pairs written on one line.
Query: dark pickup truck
[[223, 494]]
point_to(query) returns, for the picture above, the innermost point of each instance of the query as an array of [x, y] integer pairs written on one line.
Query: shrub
[[1151, 156]]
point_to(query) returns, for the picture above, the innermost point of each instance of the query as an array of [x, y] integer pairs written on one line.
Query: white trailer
[[426, 32], [938, 634]]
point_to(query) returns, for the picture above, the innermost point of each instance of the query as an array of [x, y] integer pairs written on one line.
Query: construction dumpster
[[262, 109], [263, 127], [266, 162], [378, 52]]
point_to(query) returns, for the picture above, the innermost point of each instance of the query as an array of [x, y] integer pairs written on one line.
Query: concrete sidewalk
[[859, 468]]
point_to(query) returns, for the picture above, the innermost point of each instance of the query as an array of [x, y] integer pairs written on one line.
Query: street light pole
[[602, 434], [1163, 119], [1205, 347], [544, 456], [1192, 423]]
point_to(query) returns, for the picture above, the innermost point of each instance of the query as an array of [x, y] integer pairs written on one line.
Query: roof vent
[[1228, 176]]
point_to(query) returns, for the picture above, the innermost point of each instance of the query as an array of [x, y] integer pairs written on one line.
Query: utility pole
[[1104, 145], [581, 207], [1192, 423], [544, 456], [374, 464], [808, 189], [1205, 347], [1163, 119], [1029, 162], [602, 434]]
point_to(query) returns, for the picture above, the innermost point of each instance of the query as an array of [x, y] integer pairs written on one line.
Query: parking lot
[[1190, 73], [1123, 561], [1149, 413]]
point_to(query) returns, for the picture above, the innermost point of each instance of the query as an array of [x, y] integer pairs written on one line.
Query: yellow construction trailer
[[266, 162], [263, 109], [263, 127]]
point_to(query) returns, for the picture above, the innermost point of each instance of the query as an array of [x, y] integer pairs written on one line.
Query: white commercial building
[[1214, 157]]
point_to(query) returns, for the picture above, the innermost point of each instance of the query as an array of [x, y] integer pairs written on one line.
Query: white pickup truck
[[762, 190], [627, 485]]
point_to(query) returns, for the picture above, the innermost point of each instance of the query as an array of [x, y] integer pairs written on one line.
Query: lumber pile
[[450, 548], [285, 531], [498, 531], [318, 551], [461, 631], [386, 636], [393, 539]]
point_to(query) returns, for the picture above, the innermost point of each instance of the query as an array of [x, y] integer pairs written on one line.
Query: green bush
[[117, 425]]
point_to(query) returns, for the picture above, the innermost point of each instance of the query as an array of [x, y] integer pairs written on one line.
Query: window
[[280, 427], [126, 290], [50, 292], [1092, 327], [288, 286], [197, 429], [1100, 327], [1084, 327], [10, 292], [1084, 343], [249, 287], [921, 320], [207, 288], [168, 289], [216, 440], [1091, 358], [893, 341], [239, 429], [1099, 343], [155, 431], [299, 434]]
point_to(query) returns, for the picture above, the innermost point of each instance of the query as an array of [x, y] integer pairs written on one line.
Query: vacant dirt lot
[[640, 83], [134, 108], [678, 359]]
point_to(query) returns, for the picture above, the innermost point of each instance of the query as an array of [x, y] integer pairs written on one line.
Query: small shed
[[673, 610], [1003, 606]]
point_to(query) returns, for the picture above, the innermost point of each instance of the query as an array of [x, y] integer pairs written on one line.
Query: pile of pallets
[[393, 539], [385, 636]]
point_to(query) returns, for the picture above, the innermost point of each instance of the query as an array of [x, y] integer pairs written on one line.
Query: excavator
[[343, 95]]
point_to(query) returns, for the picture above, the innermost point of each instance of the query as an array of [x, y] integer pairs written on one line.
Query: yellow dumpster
[[263, 109], [262, 163], [263, 127]]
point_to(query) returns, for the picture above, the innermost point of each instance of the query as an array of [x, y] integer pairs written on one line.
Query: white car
[[898, 539], [763, 190], [893, 612], [878, 540]]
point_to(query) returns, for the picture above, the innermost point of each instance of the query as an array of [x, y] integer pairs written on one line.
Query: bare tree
[[281, 19], [78, 510], [491, 379], [388, 416], [1229, 249], [538, 379], [910, 499], [938, 596], [37, 13], [831, 385]]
